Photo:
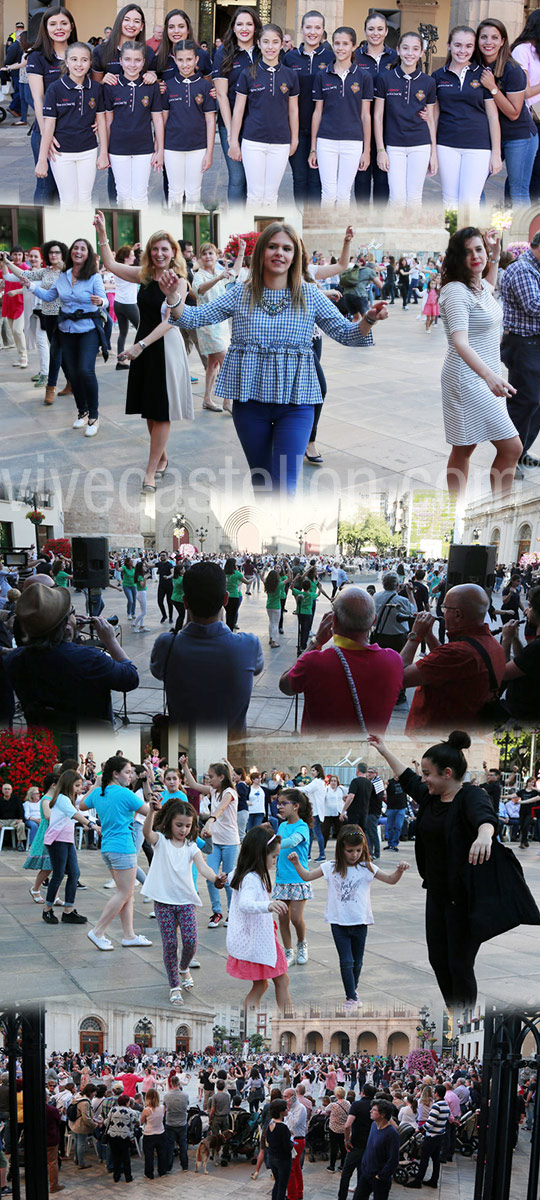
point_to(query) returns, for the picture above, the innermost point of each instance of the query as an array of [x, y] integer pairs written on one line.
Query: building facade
[[324, 1031], [80, 1026], [511, 524]]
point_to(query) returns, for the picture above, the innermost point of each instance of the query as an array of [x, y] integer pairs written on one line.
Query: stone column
[[471, 12]]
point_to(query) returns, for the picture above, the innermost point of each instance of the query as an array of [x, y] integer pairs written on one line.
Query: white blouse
[[250, 932]]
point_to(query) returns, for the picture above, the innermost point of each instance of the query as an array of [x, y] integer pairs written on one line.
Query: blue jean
[[372, 834], [79, 352], [32, 830], [46, 191], [350, 941], [274, 439], [26, 102], [130, 592], [224, 856], [237, 189], [55, 353], [519, 157], [177, 1135], [79, 1145], [253, 820], [317, 833], [394, 824], [306, 181], [63, 858]]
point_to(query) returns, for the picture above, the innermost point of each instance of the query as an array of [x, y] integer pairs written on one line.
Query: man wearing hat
[[51, 671]]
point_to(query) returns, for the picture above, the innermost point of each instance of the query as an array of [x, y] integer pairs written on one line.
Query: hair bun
[[459, 740]]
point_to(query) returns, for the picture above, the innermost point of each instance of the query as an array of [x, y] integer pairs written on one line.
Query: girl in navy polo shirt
[[341, 123], [235, 55], [56, 32], [374, 56], [268, 94], [134, 128], [506, 82], [468, 130], [129, 26], [406, 146], [177, 28], [71, 108], [190, 126]]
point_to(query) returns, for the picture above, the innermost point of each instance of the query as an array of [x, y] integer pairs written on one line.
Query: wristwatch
[[494, 91], [142, 345]]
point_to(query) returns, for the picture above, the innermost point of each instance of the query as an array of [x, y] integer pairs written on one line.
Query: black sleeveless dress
[[147, 392]]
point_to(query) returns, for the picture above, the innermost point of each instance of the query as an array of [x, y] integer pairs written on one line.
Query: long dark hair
[[351, 835], [253, 855], [43, 42], [450, 753], [504, 52], [114, 764], [176, 808], [114, 39], [165, 48], [530, 32], [454, 267], [271, 582], [230, 43], [269, 27], [299, 798], [88, 268], [64, 786]]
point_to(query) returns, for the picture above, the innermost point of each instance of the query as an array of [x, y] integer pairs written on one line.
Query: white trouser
[[273, 623], [264, 165], [16, 324], [463, 174], [41, 341], [139, 619], [407, 168], [184, 172], [74, 173], [131, 176], [338, 164]]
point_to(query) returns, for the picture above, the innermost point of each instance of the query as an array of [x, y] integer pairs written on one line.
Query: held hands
[[168, 282], [220, 880], [103, 162], [235, 152], [279, 907], [480, 850], [156, 162]]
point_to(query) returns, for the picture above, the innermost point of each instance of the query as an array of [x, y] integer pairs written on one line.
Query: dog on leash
[[206, 1149]]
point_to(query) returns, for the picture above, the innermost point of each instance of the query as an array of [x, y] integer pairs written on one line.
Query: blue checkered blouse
[[270, 358]]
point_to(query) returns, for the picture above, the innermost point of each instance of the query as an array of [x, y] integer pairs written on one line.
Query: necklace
[[272, 308]]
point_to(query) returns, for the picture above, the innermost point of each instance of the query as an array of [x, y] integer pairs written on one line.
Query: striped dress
[[471, 412]]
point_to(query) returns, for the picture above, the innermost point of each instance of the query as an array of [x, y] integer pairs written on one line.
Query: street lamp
[[426, 1028], [476, 535], [301, 535], [202, 535]]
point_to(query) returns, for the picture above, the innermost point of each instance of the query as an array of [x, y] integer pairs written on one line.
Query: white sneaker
[[91, 428], [102, 942], [110, 884], [302, 954], [138, 940], [290, 956], [80, 422], [147, 899]]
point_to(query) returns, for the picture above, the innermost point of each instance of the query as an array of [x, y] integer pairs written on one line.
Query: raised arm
[[203, 788], [397, 767], [131, 274]]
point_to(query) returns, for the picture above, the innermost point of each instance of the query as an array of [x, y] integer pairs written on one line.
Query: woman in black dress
[[455, 832], [159, 386]]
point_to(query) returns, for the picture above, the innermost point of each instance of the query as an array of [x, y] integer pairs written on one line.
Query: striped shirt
[[520, 289], [439, 1114]]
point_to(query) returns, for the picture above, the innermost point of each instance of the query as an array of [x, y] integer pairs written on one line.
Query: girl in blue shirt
[[341, 122], [190, 126], [45, 61], [468, 130], [134, 128], [374, 56], [406, 146], [267, 96], [294, 809], [72, 107], [506, 82], [129, 26], [237, 53], [177, 28]]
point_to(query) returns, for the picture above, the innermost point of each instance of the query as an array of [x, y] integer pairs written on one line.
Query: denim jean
[[237, 189], [371, 1185], [79, 351], [306, 181], [63, 858], [522, 357], [32, 830], [130, 592], [254, 819], [519, 156], [224, 856], [46, 191], [79, 1142], [394, 824], [26, 102], [177, 1135], [242, 818], [274, 438], [318, 834], [350, 941]]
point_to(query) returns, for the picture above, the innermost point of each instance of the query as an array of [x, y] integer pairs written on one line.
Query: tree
[[257, 1042], [220, 1034], [366, 530]]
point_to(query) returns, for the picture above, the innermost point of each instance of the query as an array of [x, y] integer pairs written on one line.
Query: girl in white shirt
[[254, 950], [170, 885], [222, 826], [348, 908]]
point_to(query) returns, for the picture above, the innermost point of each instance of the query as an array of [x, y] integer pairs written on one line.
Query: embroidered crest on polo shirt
[[284, 87], [420, 95], [91, 102], [146, 101], [475, 83], [355, 87], [322, 66], [199, 98]]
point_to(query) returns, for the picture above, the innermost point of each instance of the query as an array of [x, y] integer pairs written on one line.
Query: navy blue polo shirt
[[514, 79], [39, 65], [113, 67], [204, 65], [308, 67], [132, 105], [75, 111], [267, 110], [405, 96], [375, 66], [186, 101], [463, 120], [342, 103], [241, 62]]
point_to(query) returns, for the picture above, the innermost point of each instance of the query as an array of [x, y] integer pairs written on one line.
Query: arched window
[[91, 1036], [524, 541]]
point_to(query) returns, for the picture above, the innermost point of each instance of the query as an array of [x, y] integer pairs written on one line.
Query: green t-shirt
[[273, 599], [304, 602], [178, 589], [141, 583], [233, 584], [128, 576], [62, 579]]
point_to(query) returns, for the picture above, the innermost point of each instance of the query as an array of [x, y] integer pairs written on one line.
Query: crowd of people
[[471, 659], [370, 120], [365, 1116], [234, 830]]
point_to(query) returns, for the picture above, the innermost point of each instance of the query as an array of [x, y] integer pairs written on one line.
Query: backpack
[[194, 1132], [72, 1111]]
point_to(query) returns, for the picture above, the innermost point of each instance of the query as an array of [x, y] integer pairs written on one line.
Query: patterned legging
[[169, 917]]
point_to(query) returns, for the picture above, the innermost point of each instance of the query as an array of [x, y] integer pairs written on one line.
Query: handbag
[[494, 712], [352, 689], [498, 898]]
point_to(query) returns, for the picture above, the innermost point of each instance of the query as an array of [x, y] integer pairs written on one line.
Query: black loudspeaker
[[472, 564], [90, 558]]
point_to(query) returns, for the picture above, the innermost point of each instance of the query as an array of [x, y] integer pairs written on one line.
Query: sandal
[[36, 896], [175, 996], [187, 981]]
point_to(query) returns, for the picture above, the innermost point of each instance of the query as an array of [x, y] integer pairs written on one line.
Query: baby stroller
[[467, 1135], [245, 1137], [410, 1141], [317, 1137], [197, 1125]]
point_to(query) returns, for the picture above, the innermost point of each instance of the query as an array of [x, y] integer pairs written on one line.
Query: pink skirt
[[240, 969], [431, 307]]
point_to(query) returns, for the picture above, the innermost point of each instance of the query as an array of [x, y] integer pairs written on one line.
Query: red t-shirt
[[454, 682], [328, 703], [13, 306], [129, 1083]]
